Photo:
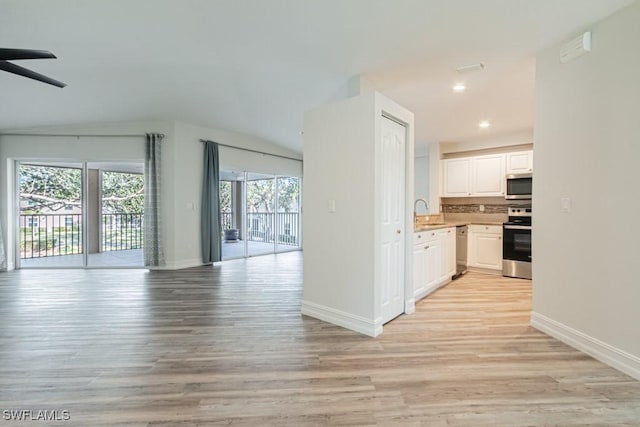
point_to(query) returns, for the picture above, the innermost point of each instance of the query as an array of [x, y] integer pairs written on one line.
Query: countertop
[[452, 224]]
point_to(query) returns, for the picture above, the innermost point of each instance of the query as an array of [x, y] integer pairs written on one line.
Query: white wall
[[505, 141], [181, 170], [239, 160], [341, 275], [338, 247], [421, 181], [587, 148]]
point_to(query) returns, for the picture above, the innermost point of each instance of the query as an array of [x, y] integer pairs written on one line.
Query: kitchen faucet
[[415, 208]]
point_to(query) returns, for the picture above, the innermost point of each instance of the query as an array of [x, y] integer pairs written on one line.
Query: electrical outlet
[[481, 208]]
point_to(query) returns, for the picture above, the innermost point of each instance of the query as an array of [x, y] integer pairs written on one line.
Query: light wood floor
[[228, 346]]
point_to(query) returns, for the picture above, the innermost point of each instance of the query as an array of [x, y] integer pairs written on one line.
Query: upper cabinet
[[488, 178], [457, 177], [520, 162], [479, 176]]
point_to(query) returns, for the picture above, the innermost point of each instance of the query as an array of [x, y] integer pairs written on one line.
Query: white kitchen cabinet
[[432, 260], [457, 177], [488, 176], [447, 243], [520, 162], [485, 247], [479, 176], [434, 253], [419, 264]]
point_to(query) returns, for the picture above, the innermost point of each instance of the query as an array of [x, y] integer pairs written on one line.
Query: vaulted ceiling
[[255, 66]]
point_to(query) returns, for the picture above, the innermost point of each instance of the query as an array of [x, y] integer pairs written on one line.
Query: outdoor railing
[[226, 219], [50, 235], [46, 235], [122, 231], [260, 227]]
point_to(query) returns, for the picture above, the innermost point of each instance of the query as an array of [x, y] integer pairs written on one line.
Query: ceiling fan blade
[[21, 71], [8, 54]]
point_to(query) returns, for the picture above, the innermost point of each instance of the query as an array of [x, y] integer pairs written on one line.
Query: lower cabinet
[[447, 243], [434, 260], [485, 247]]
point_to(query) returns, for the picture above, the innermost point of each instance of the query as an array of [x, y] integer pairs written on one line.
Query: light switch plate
[[331, 206], [565, 204]]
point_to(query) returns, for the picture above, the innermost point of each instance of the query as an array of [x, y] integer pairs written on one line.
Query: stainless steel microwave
[[519, 186]]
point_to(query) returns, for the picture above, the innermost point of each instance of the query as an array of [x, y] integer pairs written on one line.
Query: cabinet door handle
[[426, 247], [398, 231]]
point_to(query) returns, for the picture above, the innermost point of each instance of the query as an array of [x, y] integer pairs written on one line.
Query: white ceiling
[[255, 66]]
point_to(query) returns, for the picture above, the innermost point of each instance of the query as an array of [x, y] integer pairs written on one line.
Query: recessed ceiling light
[[470, 68], [459, 87], [484, 124]]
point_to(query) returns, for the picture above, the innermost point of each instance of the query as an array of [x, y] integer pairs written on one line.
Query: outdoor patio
[[124, 258], [135, 257], [232, 250]]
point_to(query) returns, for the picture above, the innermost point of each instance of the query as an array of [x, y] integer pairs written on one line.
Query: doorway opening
[[265, 211], [80, 214]]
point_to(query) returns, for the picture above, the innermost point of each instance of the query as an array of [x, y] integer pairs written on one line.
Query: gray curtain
[[153, 254], [211, 228]]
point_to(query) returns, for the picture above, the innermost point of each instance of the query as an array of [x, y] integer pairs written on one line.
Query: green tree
[[288, 194], [225, 196], [260, 195], [49, 188], [122, 192]]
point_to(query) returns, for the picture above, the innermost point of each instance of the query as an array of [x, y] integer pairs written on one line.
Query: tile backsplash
[[468, 208], [475, 208]]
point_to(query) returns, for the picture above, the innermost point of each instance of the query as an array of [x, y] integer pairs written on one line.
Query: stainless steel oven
[[519, 186], [516, 244]]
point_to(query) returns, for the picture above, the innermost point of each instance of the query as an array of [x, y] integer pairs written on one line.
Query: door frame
[[385, 107]]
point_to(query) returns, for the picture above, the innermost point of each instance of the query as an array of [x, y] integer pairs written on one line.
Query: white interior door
[[393, 213]]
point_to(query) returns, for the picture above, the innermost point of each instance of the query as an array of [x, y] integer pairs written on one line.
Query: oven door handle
[[517, 227]]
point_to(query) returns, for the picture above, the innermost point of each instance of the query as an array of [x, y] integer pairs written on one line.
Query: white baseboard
[[410, 306], [356, 323], [428, 291], [485, 270], [608, 354], [180, 264]]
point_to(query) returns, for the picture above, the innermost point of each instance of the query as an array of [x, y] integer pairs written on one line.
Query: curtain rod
[[78, 136], [254, 151]]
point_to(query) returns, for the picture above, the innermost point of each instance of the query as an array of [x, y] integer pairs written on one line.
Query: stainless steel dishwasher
[[461, 250]]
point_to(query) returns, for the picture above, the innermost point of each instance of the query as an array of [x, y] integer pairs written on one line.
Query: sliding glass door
[[288, 213], [115, 213], [260, 230], [80, 214], [50, 218], [260, 213]]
